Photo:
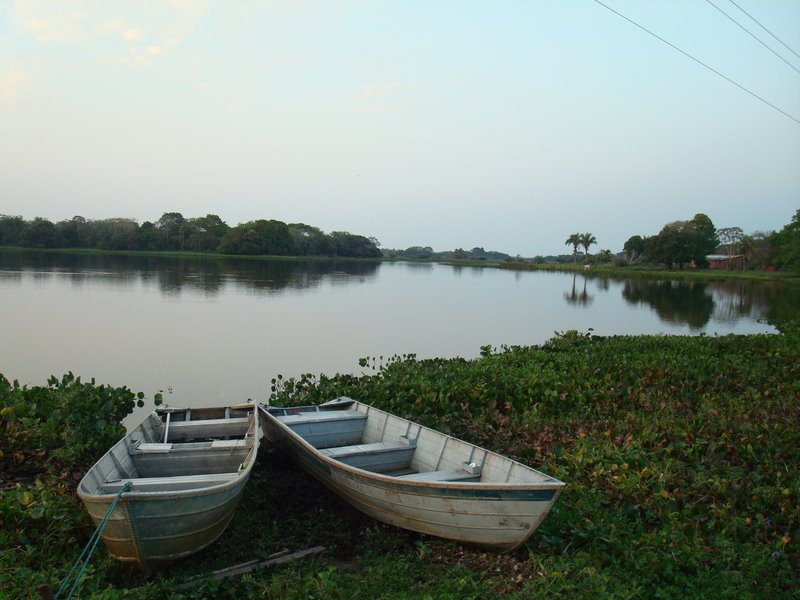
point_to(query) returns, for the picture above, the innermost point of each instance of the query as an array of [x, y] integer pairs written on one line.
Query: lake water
[[216, 331]]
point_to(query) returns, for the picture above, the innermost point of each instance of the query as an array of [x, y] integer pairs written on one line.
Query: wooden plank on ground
[[278, 558]]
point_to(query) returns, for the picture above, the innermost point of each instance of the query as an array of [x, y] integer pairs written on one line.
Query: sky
[[505, 124]]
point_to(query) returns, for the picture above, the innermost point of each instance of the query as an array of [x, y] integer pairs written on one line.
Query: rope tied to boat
[[90, 548]]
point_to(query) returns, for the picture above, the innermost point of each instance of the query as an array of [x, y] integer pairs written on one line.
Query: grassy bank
[[595, 270], [650, 272], [680, 455], [613, 271]]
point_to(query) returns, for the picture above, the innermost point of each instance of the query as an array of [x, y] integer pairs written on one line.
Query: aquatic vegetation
[[49, 435], [680, 455], [679, 452]]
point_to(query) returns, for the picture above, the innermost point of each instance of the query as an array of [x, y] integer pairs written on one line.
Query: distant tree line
[[173, 232], [682, 243], [428, 253]]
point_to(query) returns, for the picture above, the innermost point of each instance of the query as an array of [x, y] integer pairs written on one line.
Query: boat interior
[[379, 442], [178, 449]]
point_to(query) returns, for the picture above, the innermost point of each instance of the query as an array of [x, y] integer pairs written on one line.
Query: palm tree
[[575, 241], [586, 240]]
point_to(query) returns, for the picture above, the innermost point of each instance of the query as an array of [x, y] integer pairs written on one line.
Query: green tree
[[311, 241], [682, 242], [704, 240], [586, 240], [787, 245], [730, 239], [171, 228], [604, 256], [354, 246], [205, 234], [11, 230], [116, 234], [574, 240], [671, 245], [147, 236], [758, 248], [260, 237], [40, 233], [67, 231], [634, 247]]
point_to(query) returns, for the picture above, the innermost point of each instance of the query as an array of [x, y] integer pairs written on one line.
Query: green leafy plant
[[679, 455]]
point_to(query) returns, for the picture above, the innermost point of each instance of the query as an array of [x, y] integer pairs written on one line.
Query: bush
[[66, 424], [49, 436]]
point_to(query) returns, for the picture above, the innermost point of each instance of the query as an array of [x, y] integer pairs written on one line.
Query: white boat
[[187, 469], [410, 476]]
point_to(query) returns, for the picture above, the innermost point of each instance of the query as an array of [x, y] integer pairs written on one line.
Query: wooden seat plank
[[379, 457], [322, 416], [214, 428], [176, 482], [457, 475], [364, 449]]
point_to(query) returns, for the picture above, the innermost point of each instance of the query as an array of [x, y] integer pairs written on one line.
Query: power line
[[764, 28], [751, 34], [698, 61]]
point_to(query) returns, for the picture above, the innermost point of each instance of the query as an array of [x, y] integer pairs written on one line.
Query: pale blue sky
[[503, 124]]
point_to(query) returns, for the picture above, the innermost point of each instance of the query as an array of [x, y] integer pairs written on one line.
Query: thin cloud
[[12, 81], [111, 26], [376, 97], [377, 107], [374, 90], [57, 26], [192, 8], [84, 22]]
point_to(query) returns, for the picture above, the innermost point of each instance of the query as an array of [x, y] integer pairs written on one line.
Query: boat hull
[[497, 517], [151, 531], [182, 496]]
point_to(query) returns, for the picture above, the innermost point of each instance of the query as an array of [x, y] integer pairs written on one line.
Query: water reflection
[[674, 301], [698, 303], [174, 275], [576, 296], [137, 321]]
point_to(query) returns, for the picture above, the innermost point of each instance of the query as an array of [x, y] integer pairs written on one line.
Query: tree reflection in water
[[697, 303], [677, 302], [173, 275], [579, 298]]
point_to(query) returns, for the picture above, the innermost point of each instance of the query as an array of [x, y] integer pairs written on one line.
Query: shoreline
[[668, 460], [594, 270]]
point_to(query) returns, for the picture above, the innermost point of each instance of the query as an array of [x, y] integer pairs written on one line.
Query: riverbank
[[595, 270], [680, 456], [649, 272], [183, 254]]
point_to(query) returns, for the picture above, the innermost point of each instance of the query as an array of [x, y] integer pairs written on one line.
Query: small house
[[726, 262]]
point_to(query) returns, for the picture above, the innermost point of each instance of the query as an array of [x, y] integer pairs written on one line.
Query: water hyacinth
[[671, 473]]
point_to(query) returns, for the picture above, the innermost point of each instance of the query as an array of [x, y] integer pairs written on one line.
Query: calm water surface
[[216, 331]]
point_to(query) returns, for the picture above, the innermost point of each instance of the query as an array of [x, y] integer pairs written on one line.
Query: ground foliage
[[680, 455], [49, 436]]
